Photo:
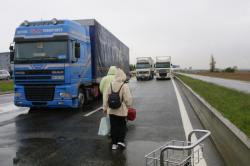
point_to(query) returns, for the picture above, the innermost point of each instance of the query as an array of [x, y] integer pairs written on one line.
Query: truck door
[[75, 58]]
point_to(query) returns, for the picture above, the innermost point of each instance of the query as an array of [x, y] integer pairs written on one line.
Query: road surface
[[233, 84], [68, 138]]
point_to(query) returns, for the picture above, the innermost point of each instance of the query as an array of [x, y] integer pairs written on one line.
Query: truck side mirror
[[77, 50], [12, 53]]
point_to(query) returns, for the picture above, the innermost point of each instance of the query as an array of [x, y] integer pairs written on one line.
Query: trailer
[[59, 63]]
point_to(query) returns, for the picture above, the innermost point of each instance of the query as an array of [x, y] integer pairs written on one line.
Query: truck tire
[[81, 100]]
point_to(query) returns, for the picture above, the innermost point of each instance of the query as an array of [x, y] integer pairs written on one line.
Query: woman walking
[[118, 115]]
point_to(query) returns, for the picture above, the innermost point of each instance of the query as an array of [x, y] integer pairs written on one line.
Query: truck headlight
[[17, 94], [57, 72], [65, 95], [57, 77], [19, 72]]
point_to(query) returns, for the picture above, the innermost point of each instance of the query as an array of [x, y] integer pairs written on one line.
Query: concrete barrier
[[233, 144]]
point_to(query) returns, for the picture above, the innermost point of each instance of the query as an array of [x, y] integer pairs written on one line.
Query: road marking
[[185, 120], [92, 112]]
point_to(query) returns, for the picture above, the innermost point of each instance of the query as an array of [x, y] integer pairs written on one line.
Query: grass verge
[[6, 86], [232, 104]]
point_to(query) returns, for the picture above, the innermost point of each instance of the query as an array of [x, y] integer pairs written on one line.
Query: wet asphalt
[[68, 138]]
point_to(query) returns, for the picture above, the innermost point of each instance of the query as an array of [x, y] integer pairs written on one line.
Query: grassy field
[[232, 104], [6, 86], [243, 76]]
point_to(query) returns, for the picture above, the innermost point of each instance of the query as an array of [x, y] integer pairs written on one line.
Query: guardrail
[[233, 145]]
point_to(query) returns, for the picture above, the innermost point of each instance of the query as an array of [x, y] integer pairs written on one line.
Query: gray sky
[[188, 30]]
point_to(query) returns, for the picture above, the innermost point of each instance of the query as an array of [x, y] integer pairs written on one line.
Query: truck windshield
[[162, 65], [142, 65], [37, 52]]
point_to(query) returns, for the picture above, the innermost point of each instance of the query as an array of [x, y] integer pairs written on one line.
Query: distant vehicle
[[163, 67], [144, 68], [4, 75], [59, 63]]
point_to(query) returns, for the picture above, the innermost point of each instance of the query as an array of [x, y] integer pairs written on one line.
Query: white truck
[[163, 67], [144, 68]]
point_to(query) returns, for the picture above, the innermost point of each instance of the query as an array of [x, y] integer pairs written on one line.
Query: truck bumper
[[47, 104], [57, 101], [143, 76], [163, 76]]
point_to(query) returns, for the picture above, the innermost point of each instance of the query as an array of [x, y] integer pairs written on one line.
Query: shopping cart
[[179, 153]]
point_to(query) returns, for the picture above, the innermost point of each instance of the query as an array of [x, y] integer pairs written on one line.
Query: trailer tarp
[[106, 49]]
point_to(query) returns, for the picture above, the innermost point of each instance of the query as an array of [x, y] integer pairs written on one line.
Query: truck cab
[[52, 63], [144, 68], [163, 68]]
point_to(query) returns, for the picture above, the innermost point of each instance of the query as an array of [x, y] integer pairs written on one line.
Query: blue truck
[[59, 63]]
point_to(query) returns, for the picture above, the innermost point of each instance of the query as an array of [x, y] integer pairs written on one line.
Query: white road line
[[185, 119], [92, 112]]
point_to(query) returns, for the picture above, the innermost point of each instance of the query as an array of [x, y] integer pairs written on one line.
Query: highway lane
[[233, 84], [63, 137]]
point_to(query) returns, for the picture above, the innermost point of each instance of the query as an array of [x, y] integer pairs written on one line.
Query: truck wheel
[[81, 101]]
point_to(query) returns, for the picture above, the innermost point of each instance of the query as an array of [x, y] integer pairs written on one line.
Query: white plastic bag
[[104, 127]]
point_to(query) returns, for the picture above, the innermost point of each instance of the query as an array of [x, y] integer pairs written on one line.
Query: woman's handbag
[[131, 114]]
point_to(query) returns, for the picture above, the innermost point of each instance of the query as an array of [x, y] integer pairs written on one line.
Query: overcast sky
[[187, 30]]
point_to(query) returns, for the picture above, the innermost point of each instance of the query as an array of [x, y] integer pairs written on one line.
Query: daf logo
[[38, 66]]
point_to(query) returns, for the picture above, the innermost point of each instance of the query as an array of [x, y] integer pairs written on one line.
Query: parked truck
[[60, 63], [144, 68], [163, 67]]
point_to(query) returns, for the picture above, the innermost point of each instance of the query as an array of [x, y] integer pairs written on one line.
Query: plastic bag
[[104, 127]]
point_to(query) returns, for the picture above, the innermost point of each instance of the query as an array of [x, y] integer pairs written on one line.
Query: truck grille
[[163, 74], [143, 72], [163, 71], [39, 93], [32, 77]]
